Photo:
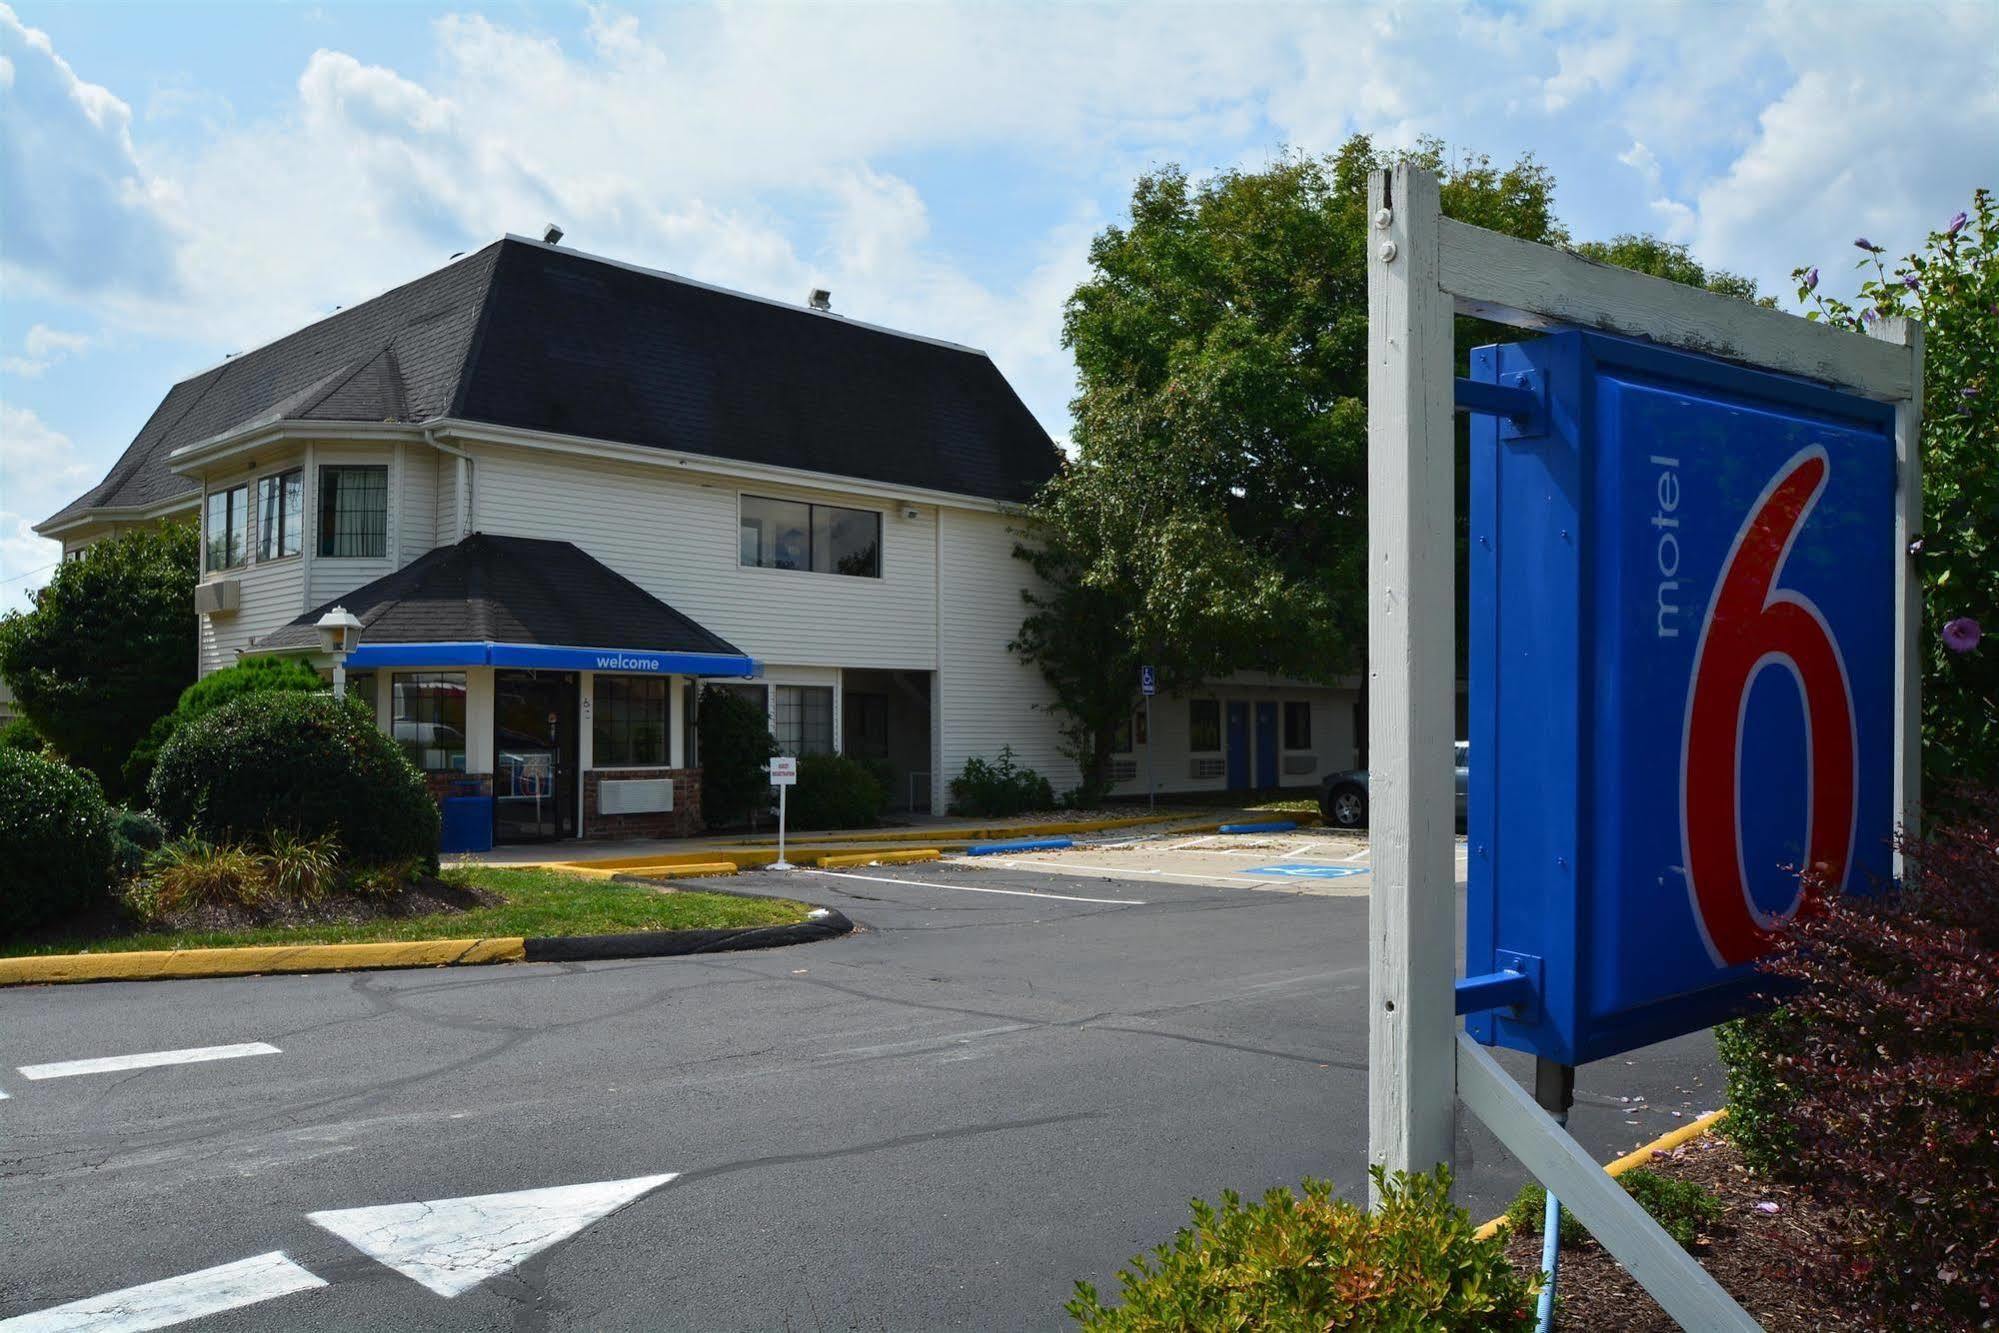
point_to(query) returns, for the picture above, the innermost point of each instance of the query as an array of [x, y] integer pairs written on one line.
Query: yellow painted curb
[[890, 858], [160, 965], [1636, 1157], [685, 871]]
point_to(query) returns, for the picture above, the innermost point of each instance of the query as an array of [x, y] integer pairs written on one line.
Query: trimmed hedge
[[55, 840], [253, 675], [308, 764], [834, 791]]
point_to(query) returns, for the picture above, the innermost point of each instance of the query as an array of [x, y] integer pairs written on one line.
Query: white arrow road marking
[[146, 1060], [173, 1300], [452, 1245]]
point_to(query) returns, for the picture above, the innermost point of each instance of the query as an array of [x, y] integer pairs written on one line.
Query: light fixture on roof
[[551, 234], [820, 299]]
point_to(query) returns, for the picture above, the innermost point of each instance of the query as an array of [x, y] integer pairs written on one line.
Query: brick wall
[[448, 783], [684, 820]]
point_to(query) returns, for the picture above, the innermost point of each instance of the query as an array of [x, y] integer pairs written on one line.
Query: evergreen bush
[[55, 840], [307, 764]]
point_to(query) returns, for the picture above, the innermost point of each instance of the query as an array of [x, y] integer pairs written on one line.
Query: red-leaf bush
[[1878, 1078]]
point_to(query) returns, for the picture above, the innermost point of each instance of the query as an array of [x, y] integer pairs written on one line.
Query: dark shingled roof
[[489, 589], [541, 338]]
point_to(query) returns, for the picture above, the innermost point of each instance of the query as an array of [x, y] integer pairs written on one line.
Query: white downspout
[[462, 492]]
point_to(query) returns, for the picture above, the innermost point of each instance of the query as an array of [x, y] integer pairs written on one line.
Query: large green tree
[[1214, 517], [107, 647], [1952, 286]]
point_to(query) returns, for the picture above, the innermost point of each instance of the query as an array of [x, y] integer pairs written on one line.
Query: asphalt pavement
[[1003, 1081]]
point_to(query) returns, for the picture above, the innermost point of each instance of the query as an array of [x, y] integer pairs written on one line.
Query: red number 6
[[1750, 626]]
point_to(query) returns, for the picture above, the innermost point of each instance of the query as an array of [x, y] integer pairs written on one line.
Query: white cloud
[[776, 148], [41, 348], [40, 472], [82, 217]]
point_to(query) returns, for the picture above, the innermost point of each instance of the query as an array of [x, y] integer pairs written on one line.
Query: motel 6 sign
[[1681, 663]]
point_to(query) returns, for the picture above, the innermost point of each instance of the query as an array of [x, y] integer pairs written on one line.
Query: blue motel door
[[1238, 745], [1266, 745]]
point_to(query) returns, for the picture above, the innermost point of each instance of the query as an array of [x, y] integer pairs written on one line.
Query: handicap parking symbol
[[1307, 872]]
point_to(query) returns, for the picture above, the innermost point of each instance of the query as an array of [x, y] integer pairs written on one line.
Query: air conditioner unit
[[634, 796], [219, 598], [1124, 770], [1201, 770]]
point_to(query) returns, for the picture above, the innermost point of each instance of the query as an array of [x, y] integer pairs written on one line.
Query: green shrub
[[55, 840], [834, 791], [192, 872], [306, 764], [1761, 1105], [385, 880], [999, 788], [253, 675], [299, 869], [134, 836], [1315, 1263], [20, 734], [736, 745], [1684, 1208]]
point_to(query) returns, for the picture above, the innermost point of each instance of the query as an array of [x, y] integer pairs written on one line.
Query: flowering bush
[[1881, 1074], [1318, 1262], [1952, 286]]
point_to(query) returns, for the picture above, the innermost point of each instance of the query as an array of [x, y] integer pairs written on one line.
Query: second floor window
[[354, 511], [828, 539], [228, 527], [280, 514]]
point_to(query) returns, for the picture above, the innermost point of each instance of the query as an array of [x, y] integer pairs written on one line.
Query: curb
[[886, 858], [268, 960], [1636, 1157]]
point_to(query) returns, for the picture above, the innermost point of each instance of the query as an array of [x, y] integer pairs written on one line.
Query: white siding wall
[[987, 697], [1332, 748], [675, 535], [445, 529], [272, 595], [418, 530]]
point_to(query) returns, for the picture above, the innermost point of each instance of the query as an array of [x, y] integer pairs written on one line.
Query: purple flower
[[1869, 315], [1910, 280], [1811, 279], [1962, 635], [1767, 1207], [1863, 243], [1956, 225]]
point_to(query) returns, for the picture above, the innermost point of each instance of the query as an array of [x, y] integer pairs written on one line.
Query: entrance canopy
[[518, 602]]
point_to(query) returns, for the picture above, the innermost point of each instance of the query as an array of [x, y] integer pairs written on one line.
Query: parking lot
[[1328, 862]]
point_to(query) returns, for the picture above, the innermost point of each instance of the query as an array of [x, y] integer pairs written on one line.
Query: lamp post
[[339, 634]]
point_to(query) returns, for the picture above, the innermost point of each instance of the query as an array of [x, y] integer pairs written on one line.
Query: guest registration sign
[[1692, 664], [783, 774]]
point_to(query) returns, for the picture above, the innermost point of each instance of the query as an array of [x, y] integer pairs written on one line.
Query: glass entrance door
[[534, 756]]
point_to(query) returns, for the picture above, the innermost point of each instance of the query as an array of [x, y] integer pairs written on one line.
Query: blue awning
[[641, 661]]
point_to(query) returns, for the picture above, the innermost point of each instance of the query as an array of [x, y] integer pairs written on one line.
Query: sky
[[183, 181]]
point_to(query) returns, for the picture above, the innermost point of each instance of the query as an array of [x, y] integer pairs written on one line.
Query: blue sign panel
[[1147, 682], [1681, 665]]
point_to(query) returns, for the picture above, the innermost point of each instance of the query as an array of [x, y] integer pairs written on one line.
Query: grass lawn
[[538, 902]]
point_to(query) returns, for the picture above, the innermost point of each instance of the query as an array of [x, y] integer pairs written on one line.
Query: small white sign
[[783, 771]]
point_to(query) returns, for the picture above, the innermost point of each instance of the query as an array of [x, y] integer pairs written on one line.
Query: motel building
[[563, 494]]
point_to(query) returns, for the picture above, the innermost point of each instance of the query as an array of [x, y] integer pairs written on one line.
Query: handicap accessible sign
[[1300, 871]]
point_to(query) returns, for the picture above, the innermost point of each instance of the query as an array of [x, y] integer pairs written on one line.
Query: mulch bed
[[1772, 1262], [424, 896]]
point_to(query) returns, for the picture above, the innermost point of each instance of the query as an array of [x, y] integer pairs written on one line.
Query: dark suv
[[1343, 796]]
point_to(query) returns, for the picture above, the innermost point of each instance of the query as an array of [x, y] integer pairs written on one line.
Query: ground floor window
[[804, 719], [1204, 725], [1297, 725], [628, 725], [361, 686], [429, 718]]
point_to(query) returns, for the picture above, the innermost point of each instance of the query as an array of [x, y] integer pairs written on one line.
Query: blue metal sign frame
[[1681, 662]]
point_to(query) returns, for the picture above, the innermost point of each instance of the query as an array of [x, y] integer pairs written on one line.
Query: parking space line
[[967, 888], [1360, 855], [1114, 872], [146, 1060]]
